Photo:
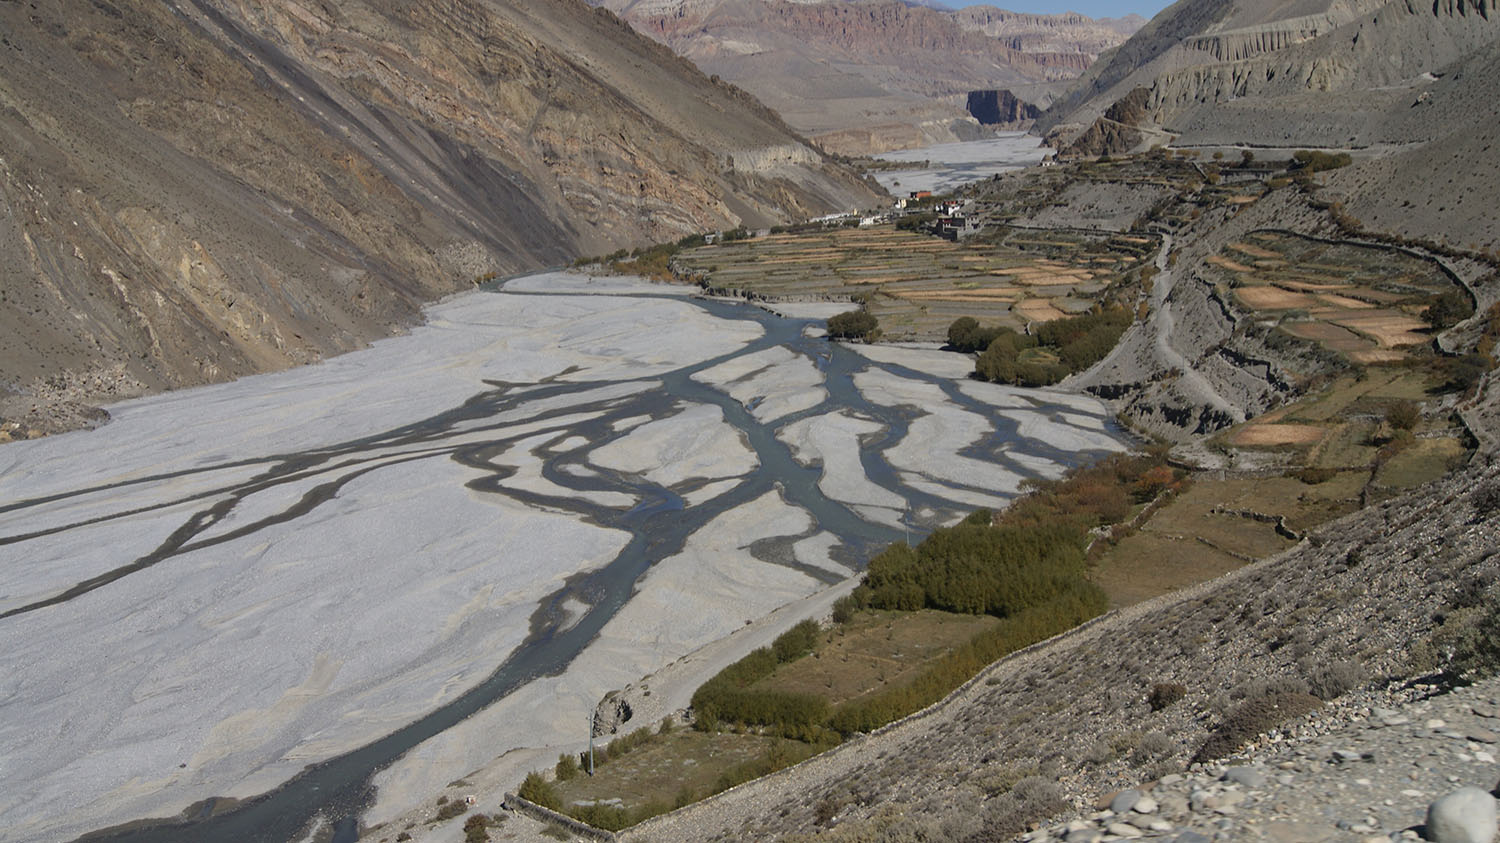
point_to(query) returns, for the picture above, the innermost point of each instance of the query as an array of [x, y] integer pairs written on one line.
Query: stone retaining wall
[[515, 803]]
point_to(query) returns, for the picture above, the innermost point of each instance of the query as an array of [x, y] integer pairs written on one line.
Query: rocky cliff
[[199, 189], [878, 74], [1000, 108]]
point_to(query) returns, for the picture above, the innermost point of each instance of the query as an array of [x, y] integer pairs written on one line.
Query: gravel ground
[[1363, 769]]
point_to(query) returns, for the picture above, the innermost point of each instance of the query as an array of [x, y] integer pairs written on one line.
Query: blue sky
[[1092, 8]]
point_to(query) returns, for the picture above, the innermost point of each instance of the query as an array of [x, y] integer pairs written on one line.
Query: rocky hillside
[[1271, 74], [873, 75], [1404, 86], [198, 189]]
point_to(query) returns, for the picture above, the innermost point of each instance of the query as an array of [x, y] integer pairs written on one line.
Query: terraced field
[[917, 284], [1363, 302]]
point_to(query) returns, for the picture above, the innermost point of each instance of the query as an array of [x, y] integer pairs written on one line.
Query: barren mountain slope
[[1269, 74], [199, 189], [866, 76], [1445, 190]]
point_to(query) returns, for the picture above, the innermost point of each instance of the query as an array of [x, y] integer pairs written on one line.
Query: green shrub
[[844, 609], [535, 788], [607, 817], [1330, 680], [625, 743], [567, 767], [853, 324], [1466, 645], [1033, 798], [796, 642]]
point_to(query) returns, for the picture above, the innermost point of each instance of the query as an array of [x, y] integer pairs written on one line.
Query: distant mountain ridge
[[194, 190], [866, 75]]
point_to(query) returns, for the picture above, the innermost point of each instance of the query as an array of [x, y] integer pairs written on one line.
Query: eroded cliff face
[[200, 189], [1236, 72], [869, 76], [1001, 108]]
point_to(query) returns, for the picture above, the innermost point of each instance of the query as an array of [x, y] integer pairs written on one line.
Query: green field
[[877, 649]]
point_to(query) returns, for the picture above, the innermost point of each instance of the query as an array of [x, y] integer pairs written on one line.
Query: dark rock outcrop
[[1117, 131], [1000, 108]]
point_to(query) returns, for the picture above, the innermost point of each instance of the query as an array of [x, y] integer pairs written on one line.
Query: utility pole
[[593, 717]]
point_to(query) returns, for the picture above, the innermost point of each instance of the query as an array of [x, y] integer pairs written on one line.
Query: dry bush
[[1486, 501], [1270, 686], [1164, 694], [1329, 680], [1003, 779], [1032, 799], [1153, 745], [1255, 716], [450, 810]]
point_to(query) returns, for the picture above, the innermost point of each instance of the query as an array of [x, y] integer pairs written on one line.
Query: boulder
[[1467, 815]]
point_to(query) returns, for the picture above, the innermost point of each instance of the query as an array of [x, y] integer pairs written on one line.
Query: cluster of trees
[[1015, 358], [967, 335], [853, 325], [979, 570], [1031, 572], [1448, 309], [647, 261], [1053, 351], [917, 222], [1027, 566], [1315, 161], [1106, 492], [729, 698], [655, 261], [1463, 372]]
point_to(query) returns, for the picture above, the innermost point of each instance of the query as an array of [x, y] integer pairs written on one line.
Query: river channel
[[562, 421]]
